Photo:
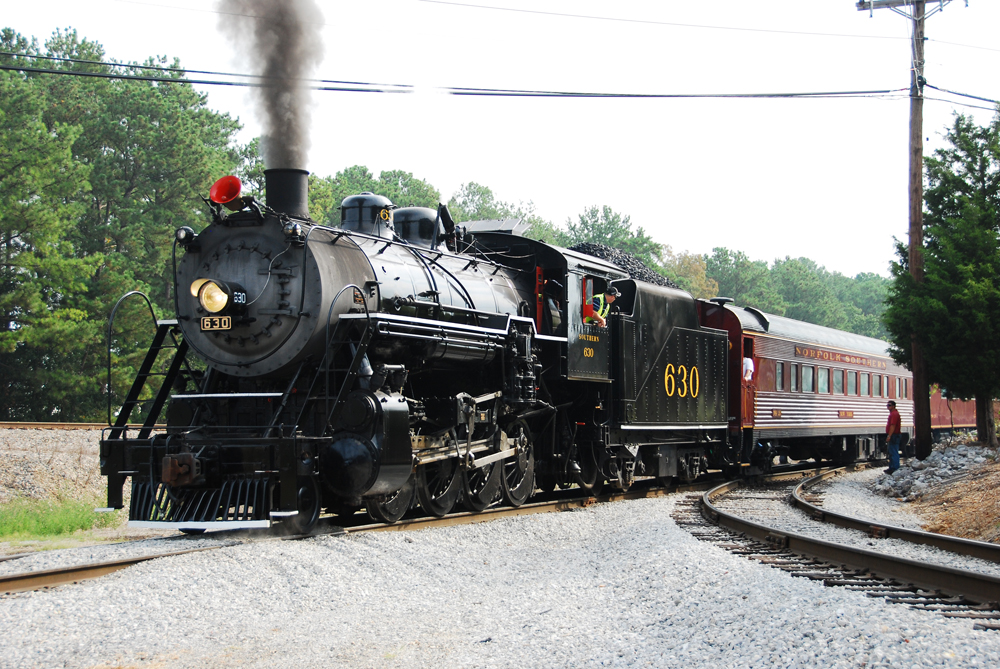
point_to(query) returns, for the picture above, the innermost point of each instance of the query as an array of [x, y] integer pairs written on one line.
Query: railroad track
[[554, 502], [813, 507], [37, 580], [951, 592], [60, 426]]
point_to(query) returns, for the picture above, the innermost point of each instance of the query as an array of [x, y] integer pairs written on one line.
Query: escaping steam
[[282, 42]]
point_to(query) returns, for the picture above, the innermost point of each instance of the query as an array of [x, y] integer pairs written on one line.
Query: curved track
[[359, 523], [555, 502], [811, 505], [952, 592]]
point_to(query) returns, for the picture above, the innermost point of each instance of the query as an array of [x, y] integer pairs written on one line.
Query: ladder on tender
[[163, 340]]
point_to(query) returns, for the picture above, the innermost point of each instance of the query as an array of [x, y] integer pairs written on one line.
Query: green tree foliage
[[402, 188], [250, 169], [603, 225], [689, 271], [955, 312], [807, 293], [799, 288], [40, 280], [133, 160], [475, 202], [749, 282]]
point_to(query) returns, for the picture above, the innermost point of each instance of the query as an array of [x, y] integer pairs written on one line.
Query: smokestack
[[287, 191], [282, 41]]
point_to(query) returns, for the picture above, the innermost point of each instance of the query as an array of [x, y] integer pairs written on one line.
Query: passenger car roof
[[753, 320]]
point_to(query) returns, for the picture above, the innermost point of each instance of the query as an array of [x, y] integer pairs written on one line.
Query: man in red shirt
[[892, 432]]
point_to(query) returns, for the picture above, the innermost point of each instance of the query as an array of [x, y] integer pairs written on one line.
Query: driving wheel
[[519, 471], [438, 486], [390, 508], [481, 486]]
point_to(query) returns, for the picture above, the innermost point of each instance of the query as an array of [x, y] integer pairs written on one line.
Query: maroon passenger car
[[815, 392]]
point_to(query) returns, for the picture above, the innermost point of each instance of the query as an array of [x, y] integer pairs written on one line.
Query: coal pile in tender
[[636, 268]]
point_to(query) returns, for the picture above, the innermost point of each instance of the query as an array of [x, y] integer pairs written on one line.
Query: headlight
[[216, 296], [196, 286], [212, 297]]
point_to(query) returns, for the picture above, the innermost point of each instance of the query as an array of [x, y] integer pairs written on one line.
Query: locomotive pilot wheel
[[438, 486], [308, 505], [391, 508], [519, 472]]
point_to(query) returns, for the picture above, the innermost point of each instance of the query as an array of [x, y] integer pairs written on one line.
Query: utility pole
[[921, 386]]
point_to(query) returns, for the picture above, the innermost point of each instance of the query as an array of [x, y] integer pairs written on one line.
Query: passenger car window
[[864, 384], [779, 376], [794, 383], [852, 383], [838, 381], [807, 379], [876, 385], [823, 380]]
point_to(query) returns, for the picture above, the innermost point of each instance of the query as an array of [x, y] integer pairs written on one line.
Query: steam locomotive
[[401, 359]]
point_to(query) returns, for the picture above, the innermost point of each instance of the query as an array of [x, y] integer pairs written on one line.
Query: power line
[[967, 46], [964, 95], [654, 23], [184, 70], [690, 25], [585, 16], [960, 104], [362, 87]]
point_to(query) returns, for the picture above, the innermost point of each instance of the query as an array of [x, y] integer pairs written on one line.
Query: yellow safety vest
[[602, 309]]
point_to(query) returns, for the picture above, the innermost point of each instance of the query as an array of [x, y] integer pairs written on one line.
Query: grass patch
[[24, 518]]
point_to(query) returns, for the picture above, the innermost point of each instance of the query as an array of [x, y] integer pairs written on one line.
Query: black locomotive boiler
[[400, 359]]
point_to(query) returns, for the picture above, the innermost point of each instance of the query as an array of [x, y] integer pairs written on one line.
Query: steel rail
[[48, 578], [974, 587], [52, 577], [966, 547], [36, 580], [27, 425]]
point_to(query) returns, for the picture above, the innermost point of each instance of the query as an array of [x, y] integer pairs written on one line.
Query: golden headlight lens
[[196, 286], [212, 297]]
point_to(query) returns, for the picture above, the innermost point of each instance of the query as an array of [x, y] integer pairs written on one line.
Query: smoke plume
[[282, 42]]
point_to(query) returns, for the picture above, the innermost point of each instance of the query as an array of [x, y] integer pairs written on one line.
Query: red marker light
[[226, 191]]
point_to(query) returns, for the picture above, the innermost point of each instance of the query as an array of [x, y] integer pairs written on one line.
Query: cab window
[[588, 297]]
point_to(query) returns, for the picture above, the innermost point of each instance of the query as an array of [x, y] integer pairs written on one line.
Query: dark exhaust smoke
[[282, 42]]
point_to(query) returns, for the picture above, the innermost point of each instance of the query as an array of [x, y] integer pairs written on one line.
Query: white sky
[[825, 179]]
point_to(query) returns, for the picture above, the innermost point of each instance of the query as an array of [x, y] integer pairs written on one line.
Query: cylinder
[[288, 191]]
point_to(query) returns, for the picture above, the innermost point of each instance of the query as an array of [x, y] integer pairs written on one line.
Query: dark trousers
[[894, 452]]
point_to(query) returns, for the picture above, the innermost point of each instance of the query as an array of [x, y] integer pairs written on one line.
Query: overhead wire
[[690, 25], [184, 70], [651, 22], [363, 87], [963, 95]]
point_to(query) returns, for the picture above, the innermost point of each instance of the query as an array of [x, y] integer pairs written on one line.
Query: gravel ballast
[[610, 585]]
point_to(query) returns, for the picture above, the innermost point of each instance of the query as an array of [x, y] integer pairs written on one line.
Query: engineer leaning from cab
[[602, 306]]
